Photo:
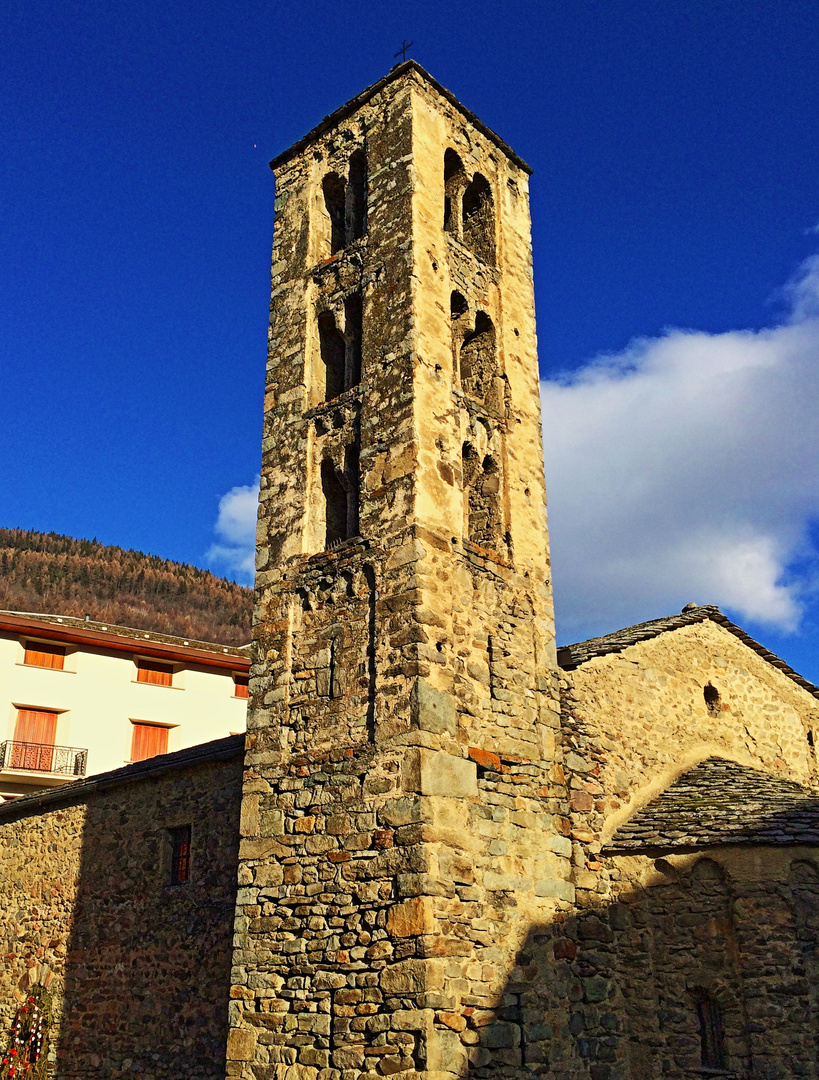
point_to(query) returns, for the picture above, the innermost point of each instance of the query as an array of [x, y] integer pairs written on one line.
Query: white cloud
[[236, 528], [685, 468]]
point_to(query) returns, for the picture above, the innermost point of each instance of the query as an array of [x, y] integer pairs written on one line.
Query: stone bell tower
[[398, 832]]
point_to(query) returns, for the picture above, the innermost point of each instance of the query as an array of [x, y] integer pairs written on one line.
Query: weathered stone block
[[431, 709], [433, 772], [561, 890], [406, 977], [241, 1044], [411, 918]]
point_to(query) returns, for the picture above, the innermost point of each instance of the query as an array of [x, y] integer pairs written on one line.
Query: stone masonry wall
[[139, 969]]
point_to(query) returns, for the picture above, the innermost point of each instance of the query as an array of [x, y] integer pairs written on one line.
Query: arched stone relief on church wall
[[332, 667]]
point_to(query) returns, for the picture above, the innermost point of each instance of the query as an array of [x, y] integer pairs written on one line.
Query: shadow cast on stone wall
[[612, 991], [147, 966]]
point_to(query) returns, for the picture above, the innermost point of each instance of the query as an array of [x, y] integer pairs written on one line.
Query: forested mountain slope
[[53, 574]]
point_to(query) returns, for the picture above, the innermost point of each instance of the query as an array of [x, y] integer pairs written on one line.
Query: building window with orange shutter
[[154, 673], [35, 733], [148, 740], [240, 684], [45, 654]]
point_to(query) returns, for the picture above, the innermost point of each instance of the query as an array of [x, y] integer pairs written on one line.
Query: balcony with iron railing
[[57, 761]]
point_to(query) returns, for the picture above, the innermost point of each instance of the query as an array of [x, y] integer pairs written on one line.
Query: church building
[[444, 849]]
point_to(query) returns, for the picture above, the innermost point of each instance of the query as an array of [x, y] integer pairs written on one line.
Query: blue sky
[[675, 206]]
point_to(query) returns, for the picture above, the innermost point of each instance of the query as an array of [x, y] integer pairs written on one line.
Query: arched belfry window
[[479, 219], [357, 196], [340, 490], [346, 202], [351, 483], [353, 332], [454, 183], [482, 489], [333, 354], [335, 504], [334, 190], [712, 1038], [478, 363], [457, 305]]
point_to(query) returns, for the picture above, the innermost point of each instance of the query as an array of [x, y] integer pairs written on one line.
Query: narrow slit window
[[44, 654], [154, 673], [148, 740], [180, 855], [712, 699]]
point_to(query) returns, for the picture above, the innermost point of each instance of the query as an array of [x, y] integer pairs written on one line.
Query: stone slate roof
[[232, 746], [570, 657], [720, 802]]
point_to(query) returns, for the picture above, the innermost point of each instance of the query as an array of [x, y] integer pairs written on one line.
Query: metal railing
[[43, 757]]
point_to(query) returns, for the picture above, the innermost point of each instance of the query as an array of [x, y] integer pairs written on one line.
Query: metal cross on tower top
[[402, 52]]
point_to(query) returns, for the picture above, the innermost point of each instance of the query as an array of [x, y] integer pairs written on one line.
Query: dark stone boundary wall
[[139, 969]]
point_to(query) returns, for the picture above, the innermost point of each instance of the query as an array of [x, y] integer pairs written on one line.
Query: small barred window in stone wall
[[712, 1039], [479, 219], [454, 183], [478, 364], [334, 187], [26, 1053], [180, 855]]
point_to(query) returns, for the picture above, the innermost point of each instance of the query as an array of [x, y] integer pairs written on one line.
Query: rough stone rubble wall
[[626, 968], [139, 970]]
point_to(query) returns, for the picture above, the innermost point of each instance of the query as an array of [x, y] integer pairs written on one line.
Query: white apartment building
[[79, 697]]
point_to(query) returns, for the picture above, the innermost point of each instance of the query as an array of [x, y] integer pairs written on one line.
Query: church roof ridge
[[723, 802], [364, 96], [572, 656]]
